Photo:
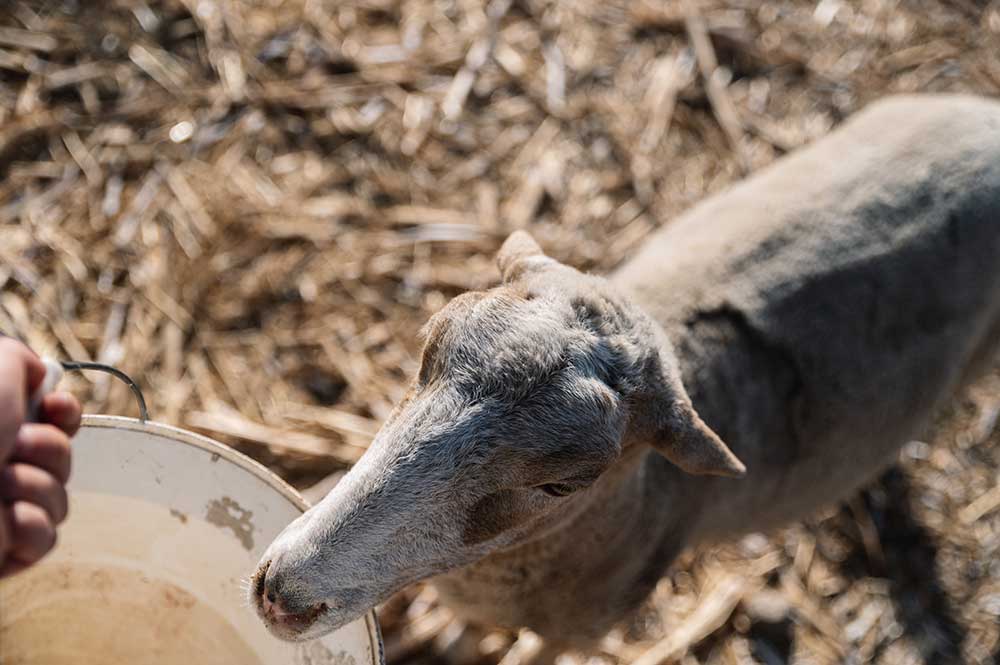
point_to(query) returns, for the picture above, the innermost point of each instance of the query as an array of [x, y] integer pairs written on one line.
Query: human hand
[[34, 459]]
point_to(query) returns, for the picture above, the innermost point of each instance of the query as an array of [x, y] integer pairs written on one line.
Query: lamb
[[567, 435]]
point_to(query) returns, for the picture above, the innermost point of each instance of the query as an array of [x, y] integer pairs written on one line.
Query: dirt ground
[[252, 207]]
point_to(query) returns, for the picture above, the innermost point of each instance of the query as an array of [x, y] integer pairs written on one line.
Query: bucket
[[164, 526]]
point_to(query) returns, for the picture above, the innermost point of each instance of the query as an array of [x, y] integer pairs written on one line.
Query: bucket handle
[[77, 366], [54, 370], [53, 374]]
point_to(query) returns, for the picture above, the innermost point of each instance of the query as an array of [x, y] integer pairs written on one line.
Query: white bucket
[[164, 525]]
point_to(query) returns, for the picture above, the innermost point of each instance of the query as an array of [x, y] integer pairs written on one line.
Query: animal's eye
[[557, 489]]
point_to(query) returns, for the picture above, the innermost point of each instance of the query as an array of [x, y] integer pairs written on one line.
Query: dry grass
[[252, 207]]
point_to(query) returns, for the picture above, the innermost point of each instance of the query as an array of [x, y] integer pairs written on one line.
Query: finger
[[33, 532], [62, 410], [24, 482], [20, 373], [4, 532], [46, 447], [12, 566], [34, 368]]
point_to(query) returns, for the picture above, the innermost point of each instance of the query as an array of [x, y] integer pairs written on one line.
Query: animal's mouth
[[293, 628], [284, 623], [297, 621]]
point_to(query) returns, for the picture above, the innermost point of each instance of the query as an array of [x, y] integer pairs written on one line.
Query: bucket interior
[[164, 528]]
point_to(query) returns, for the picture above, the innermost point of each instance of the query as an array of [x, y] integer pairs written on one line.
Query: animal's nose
[[269, 590], [271, 605]]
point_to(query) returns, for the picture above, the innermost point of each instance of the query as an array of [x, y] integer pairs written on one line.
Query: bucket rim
[[195, 440]]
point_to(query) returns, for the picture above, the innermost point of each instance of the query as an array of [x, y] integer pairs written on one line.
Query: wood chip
[[27, 39], [712, 75], [981, 507], [714, 609], [223, 420]]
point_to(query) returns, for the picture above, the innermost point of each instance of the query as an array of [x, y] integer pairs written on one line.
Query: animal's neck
[[750, 389]]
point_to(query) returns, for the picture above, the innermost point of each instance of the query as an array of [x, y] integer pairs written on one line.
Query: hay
[[252, 208]]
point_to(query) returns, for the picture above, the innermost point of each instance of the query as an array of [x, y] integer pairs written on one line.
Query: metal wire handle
[[77, 366]]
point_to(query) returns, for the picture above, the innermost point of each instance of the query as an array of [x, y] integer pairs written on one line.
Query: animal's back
[[825, 307]]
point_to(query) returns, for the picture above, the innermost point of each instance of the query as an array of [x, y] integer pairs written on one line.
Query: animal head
[[526, 395]]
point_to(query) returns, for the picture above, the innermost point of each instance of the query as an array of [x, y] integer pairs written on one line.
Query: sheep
[[769, 352]]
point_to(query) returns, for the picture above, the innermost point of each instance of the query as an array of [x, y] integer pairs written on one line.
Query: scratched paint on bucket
[[228, 514], [314, 653]]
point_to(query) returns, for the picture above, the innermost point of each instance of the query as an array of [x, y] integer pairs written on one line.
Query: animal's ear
[[519, 254], [679, 433], [688, 442]]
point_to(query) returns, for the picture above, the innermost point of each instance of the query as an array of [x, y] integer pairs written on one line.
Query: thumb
[[21, 372]]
